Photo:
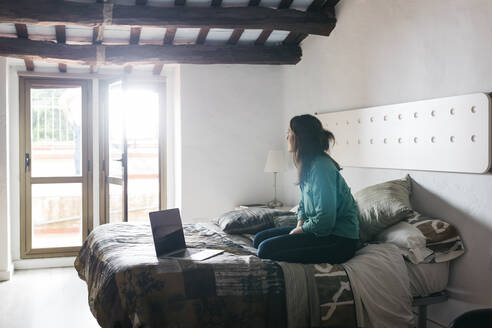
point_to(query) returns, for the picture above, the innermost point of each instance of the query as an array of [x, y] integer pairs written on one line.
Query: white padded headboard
[[447, 134]]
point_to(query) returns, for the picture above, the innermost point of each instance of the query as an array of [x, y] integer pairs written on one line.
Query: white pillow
[[294, 209], [408, 238]]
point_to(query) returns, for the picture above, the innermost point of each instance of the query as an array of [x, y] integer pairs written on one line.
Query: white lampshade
[[275, 161]]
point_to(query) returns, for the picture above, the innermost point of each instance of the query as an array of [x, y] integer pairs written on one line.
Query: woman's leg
[[307, 248], [269, 233]]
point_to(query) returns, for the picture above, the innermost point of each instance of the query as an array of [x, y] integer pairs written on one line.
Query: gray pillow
[[383, 205], [250, 220]]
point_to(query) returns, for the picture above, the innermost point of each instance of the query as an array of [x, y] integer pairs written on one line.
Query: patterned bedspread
[[129, 287]]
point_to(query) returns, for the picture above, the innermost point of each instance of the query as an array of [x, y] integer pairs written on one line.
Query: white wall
[[14, 173], [229, 120], [225, 119], [393, 51], [5, 259]]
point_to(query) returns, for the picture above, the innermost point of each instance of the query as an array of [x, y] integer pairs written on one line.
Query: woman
[[327, 228]]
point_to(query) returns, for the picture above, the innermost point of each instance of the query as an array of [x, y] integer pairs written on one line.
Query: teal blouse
[[326, 204]]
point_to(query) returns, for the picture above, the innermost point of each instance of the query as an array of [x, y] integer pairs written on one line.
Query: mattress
[[427, 278]]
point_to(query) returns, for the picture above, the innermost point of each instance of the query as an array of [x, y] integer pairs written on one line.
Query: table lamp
[[275, 163]]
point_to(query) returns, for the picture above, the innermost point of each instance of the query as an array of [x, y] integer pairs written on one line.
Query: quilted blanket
[[130, 287]]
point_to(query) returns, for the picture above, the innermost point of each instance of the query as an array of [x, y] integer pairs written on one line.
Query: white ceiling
[[149, 35]]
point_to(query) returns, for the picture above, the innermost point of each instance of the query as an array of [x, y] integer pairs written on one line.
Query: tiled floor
[[54, 298]]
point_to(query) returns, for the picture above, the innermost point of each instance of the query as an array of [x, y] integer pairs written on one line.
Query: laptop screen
[[167, 231]]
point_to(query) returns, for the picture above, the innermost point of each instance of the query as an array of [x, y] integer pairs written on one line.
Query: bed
[[129, 287]]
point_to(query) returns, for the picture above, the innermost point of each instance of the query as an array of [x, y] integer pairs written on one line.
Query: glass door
[[117, 168], [133, 168], [142, 146], [55, 166]]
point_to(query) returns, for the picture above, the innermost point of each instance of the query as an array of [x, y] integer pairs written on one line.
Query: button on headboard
[[448, 134]]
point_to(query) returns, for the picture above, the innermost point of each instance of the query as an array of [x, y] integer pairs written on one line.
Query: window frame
[[160, 87], [25, 85]]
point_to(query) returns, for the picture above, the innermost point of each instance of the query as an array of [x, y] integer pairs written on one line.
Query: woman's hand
[[296, 230]]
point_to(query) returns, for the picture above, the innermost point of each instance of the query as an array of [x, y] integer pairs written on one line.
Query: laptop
[[169, 240]]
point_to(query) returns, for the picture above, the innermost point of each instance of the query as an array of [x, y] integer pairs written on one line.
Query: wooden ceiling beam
[[202, 36], [62, 67], [61, 38], [204, 54], [168, 40], [97, 34], [237, 32], [331, 3], [149, 54], [316, 5], [97, 38], [135, 35], [157, 69], [216, 3], [29, 65], [295, 38], [21, 30], [284, 4], [264, 35], [169, 36], [54, 12], [235, 36]]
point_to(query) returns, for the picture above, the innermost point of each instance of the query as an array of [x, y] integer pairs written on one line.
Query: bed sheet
[[427, 278]]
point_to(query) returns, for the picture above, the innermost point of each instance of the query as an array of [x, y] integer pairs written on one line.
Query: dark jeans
[[277, 244]]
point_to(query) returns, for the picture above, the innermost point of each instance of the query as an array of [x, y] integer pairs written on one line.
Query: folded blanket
[[301, 295], [381, 287]]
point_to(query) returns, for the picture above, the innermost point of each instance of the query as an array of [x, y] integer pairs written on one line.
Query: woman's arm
[[324, 196], [300, 216], [300, 210]]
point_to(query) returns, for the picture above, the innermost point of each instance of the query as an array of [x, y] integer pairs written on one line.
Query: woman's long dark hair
[[310, 140]]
